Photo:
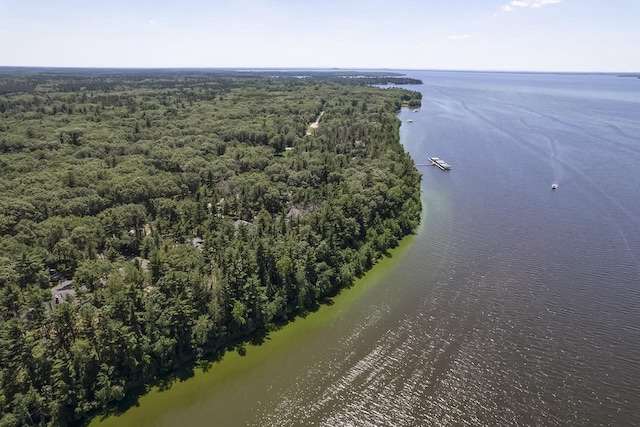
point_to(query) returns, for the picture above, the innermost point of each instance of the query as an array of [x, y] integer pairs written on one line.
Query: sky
[[515, 35]]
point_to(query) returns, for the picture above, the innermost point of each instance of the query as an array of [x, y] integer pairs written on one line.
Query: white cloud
[[152, 22], [528, 3], [459, 36]]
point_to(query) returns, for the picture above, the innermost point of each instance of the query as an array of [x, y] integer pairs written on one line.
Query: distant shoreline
[[378, 72]]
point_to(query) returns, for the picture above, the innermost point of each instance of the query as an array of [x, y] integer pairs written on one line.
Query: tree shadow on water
[[183, 372], [205, 362]]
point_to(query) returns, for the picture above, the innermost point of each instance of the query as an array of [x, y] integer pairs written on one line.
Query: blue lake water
[[514, 304], [539, 288]]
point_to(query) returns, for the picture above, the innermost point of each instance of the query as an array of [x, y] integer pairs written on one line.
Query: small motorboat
[[554, 186]]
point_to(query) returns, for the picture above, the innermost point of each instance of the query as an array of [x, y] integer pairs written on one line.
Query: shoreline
[[233, 365], [234, 362]]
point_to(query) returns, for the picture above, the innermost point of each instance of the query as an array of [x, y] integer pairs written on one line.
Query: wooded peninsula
[[153, 218]]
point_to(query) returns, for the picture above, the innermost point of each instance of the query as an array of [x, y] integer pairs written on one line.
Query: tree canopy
[[190, 210]]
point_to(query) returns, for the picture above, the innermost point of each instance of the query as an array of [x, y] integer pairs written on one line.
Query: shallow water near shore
[[236, 378], [513, 304]]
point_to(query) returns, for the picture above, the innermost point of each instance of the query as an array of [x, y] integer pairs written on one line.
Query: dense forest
[[183, 211]]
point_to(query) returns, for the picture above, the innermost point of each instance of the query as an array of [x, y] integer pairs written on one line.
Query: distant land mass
[[25, 79], [636, 75]]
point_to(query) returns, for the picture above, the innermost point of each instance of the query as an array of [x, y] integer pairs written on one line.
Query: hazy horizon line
[[323, 68]]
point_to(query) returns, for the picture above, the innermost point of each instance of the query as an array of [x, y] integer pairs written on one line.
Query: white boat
[[435, 161], [409, 121], [554, 186]]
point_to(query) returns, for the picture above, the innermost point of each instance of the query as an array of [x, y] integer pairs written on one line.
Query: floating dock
[[440, 163]]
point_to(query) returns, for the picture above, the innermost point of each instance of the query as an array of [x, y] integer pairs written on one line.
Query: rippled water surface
[[515, 304]]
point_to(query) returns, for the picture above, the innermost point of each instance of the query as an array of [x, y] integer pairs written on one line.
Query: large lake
[[514, 304]]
